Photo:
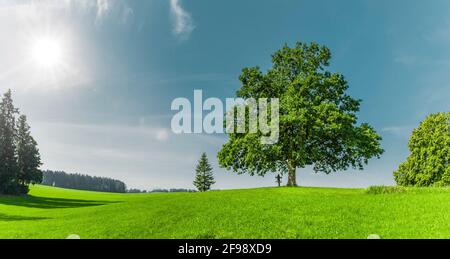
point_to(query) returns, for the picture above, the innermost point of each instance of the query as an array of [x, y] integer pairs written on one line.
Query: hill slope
[[255, 213]]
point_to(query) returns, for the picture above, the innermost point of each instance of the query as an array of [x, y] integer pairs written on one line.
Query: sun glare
[[47, 52]]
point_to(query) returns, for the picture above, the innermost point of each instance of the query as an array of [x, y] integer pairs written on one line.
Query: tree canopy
[[318, 124], [429, 161], [82, 182]]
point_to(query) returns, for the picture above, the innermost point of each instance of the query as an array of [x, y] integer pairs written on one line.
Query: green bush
[[385, 189]]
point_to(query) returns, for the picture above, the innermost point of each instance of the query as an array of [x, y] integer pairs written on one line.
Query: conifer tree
[[28, 157], [204, 178], [8, 158]]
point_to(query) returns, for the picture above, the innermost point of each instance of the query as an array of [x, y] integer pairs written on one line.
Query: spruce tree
[[28, 157], [204, 175], [318, 119], [8, 158]]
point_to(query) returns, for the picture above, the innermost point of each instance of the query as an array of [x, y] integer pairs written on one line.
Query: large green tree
[[429, 161], [318, 124], [204, 177], [29, 159]]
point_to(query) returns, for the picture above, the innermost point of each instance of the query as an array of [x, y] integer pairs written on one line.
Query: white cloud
[[406, 60], [183, 24]]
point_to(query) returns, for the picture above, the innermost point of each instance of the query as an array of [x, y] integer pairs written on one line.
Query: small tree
[[29, 159], [8, 158], [203, 175], [429, 161]]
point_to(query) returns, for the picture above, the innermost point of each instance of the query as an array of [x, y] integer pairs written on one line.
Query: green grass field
[[255, 213]]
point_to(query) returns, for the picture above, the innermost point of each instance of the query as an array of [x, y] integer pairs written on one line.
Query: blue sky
[[105, 109]]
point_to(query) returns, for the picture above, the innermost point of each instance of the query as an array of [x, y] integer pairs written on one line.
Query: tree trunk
[[292, 182]]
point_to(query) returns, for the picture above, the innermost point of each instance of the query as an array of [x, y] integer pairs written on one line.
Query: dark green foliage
[[204, 178], [429, 161], [82, 182], [385, 189], [318, 119]]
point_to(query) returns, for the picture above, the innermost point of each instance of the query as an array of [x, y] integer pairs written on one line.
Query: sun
[[47, 52]]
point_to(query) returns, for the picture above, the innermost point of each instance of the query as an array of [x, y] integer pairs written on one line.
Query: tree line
[[82, 182], [19, 155], [318, 127]]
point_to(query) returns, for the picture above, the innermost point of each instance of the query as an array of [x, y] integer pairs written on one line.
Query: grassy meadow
[[253, 213]]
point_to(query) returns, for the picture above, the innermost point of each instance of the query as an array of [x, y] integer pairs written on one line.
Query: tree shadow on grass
[[49, 203], [5, 217]]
